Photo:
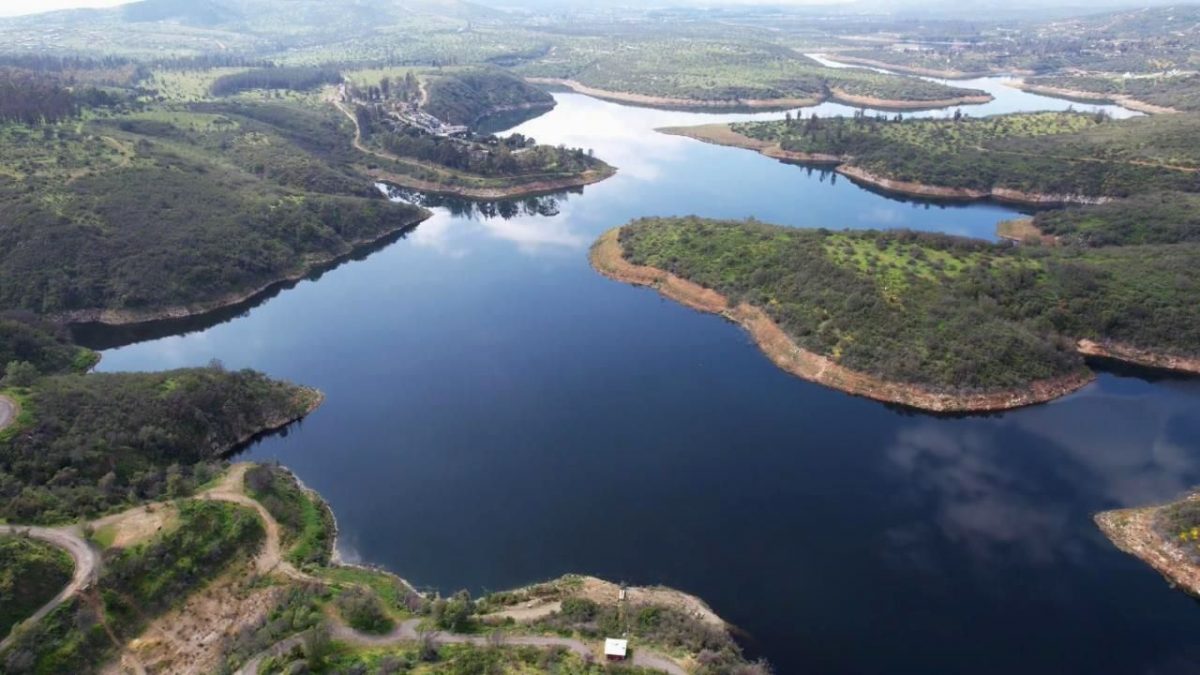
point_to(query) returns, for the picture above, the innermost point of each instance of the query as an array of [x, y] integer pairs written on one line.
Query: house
[[615, 650]]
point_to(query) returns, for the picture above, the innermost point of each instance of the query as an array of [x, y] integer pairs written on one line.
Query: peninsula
[[928, 321], [1167, 538]]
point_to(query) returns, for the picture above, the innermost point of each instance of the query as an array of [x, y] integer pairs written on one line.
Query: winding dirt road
[[87, 565], [8, 411]]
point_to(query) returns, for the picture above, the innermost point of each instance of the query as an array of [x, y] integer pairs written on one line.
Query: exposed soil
[[1140, 357], [8, 411], [1091, 96], [1023, 231], [607, 258], [1132, 530], [900, 104]]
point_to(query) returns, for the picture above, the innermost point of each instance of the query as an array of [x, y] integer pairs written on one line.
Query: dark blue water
[[498, 414]]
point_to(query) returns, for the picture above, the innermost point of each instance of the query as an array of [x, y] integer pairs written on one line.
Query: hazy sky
[[15, 7]]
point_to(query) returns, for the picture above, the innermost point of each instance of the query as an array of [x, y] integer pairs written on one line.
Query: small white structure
[[615, 650]]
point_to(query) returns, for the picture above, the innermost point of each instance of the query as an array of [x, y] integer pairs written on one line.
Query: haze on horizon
[[10, 8]]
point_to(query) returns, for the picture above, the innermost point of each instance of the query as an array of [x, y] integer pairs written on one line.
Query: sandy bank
[[1140, 357], [901, 104], [1133, 531], [909, 70], [668, 102], [1091, 96], [529, 189], [607, 258], [722, 134]]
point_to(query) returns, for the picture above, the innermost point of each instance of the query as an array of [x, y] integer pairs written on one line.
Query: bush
[[364, 612]]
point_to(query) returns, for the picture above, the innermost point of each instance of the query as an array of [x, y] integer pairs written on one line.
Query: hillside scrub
[[99, 442], [31, 573], [191, 207], [297, 78], [307, 523], [135, 585], [1152, 218], [1042, 153], [467, 96], [957, 315], [25, 338]]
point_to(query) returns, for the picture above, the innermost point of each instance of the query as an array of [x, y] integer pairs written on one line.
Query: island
[[928, 321]]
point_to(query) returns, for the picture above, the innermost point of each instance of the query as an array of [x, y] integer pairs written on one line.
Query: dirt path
[[87, 565], [8, 411]]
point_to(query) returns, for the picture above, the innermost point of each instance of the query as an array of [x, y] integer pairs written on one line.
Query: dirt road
[[87, 564], [8, 411]]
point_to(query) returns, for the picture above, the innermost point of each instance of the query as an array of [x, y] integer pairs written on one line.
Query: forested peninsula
[[1036, 159], [929, 321]]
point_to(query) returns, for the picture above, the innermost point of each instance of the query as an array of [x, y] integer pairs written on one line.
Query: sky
[[18, 7]]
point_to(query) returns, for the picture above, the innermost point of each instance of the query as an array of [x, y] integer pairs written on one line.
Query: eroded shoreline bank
[[1133, 531], [607, 258], [530, 189], [757, 104], [721, 134], [1092, 97], [129, 317]]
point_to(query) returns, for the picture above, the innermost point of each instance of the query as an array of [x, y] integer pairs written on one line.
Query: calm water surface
[[499, 414]]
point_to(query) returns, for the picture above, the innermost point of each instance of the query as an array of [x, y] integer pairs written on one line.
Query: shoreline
[[315, 397], [1092, 97], [519, 107], [126, 317], [840, 96], [1130, 355], [1132, 531], [909, 70], [667, 102], [721, 134], [835, 95], [531, 189], [607, 258]]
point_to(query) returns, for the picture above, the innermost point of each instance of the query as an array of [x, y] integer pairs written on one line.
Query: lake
[[499, 414]]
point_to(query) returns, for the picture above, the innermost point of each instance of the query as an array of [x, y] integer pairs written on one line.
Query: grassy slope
[[31, 573], [945, 312]]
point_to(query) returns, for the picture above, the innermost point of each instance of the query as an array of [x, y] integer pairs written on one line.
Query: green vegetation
[[135, 585], [179, 206], [1181, 92], [306, 521], [31, 573], [1152, 218], [1180, 523], [467, 96], [362, 609], [1048, 153], [29, 342], [954, 314], [297, 78], [721, 71], [448, 660], [103, 441]]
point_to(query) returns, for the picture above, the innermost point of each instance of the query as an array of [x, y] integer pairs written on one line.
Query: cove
[[498, 413]]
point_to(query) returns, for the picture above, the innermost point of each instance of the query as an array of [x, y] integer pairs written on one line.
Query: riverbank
[[607, 258], [841, 96], [671, 103], [129, 317], [1140, 357], [722, 134], [944, 74], [1133, 531], [1092, 97], [530, 189]]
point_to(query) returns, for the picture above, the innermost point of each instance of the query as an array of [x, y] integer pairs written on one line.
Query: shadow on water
[[101, 336], [546, 206]]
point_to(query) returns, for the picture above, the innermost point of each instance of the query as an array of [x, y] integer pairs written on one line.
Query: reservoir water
[[499, 414]]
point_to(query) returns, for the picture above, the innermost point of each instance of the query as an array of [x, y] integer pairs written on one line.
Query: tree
[[20, 374]]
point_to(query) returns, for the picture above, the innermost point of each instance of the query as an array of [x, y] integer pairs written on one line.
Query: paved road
[[87, 564], [8, 412]]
